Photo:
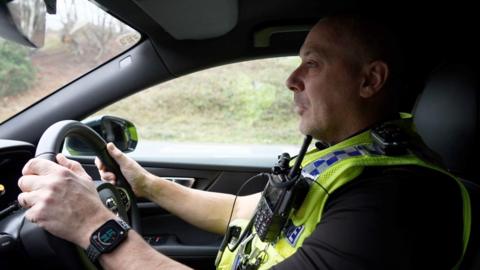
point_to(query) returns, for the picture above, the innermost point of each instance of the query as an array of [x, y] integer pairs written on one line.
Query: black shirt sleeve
[[387, 218]]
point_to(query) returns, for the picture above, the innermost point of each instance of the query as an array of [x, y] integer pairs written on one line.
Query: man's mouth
[[300, 109], [300, 106]]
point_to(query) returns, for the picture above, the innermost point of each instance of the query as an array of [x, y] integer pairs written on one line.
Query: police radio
[[286, 189]]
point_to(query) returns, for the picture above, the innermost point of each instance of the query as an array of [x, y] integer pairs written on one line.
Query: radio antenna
[[295, 170]]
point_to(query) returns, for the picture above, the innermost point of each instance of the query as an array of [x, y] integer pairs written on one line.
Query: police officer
[[367, 207]]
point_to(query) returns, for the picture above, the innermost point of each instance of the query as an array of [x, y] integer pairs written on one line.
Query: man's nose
[[294, 81]]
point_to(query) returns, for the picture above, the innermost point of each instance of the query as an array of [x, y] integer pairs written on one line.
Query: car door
[[212, 131]]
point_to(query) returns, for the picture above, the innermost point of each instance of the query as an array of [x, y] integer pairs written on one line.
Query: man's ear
[[375, 75]]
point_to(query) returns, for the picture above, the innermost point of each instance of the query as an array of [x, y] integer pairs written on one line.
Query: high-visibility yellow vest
[[332, 168]]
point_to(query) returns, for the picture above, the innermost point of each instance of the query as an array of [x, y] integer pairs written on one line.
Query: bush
[[16, 70]]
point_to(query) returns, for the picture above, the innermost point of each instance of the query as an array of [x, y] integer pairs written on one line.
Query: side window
[[241, 110]]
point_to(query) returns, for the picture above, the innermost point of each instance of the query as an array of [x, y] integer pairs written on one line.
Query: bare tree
[[89, 30], [69, 20]]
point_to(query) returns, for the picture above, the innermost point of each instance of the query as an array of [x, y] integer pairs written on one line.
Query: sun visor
[[193, 19]]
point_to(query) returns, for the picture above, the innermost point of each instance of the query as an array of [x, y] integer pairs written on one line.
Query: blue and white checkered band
[[314, 169], [293, 233]]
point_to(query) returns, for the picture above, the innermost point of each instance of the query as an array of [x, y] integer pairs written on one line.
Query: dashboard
[[13, 156]]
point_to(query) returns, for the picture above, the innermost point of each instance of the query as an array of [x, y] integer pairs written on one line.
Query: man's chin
[[304, 129], [309, 130]]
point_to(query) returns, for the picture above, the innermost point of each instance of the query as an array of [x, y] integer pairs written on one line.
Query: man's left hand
[[62, 199]]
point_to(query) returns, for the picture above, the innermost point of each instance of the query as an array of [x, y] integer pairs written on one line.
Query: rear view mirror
[[23, 21], [120, 132]]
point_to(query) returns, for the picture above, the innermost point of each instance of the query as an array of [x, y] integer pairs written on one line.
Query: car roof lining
[[199, 19]]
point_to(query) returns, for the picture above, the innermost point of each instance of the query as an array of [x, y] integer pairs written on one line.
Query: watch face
[[108, 236]]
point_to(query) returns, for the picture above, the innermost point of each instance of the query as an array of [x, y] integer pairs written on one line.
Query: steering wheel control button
[[107, 238], [7, 243], [112, 205], [123, 194]]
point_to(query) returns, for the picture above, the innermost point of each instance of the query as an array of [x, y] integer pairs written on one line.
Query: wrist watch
[[107, 238]]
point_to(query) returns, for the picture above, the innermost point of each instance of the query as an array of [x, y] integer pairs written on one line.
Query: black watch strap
[[93, 253]]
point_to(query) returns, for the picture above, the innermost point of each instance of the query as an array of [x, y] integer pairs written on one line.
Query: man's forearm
[[207, 210], [134, 253]]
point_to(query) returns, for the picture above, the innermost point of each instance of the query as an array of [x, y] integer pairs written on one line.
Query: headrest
[[447, 117]]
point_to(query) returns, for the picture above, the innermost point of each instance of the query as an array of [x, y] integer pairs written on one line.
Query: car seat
[[446, 115]]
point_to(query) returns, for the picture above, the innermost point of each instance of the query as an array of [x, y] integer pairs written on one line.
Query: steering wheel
[[39, 243]]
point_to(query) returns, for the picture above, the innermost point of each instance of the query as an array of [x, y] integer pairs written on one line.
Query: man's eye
[[311, 63]]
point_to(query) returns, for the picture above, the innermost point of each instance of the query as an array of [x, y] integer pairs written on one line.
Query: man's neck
[[369, 125]]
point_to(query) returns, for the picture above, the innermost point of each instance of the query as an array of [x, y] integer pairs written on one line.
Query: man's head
[[344, 83]]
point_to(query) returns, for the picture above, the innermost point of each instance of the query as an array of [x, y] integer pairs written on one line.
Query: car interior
[[441, 90], [451, 93]]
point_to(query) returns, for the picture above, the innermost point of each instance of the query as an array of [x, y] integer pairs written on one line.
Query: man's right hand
[[136, 176]]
